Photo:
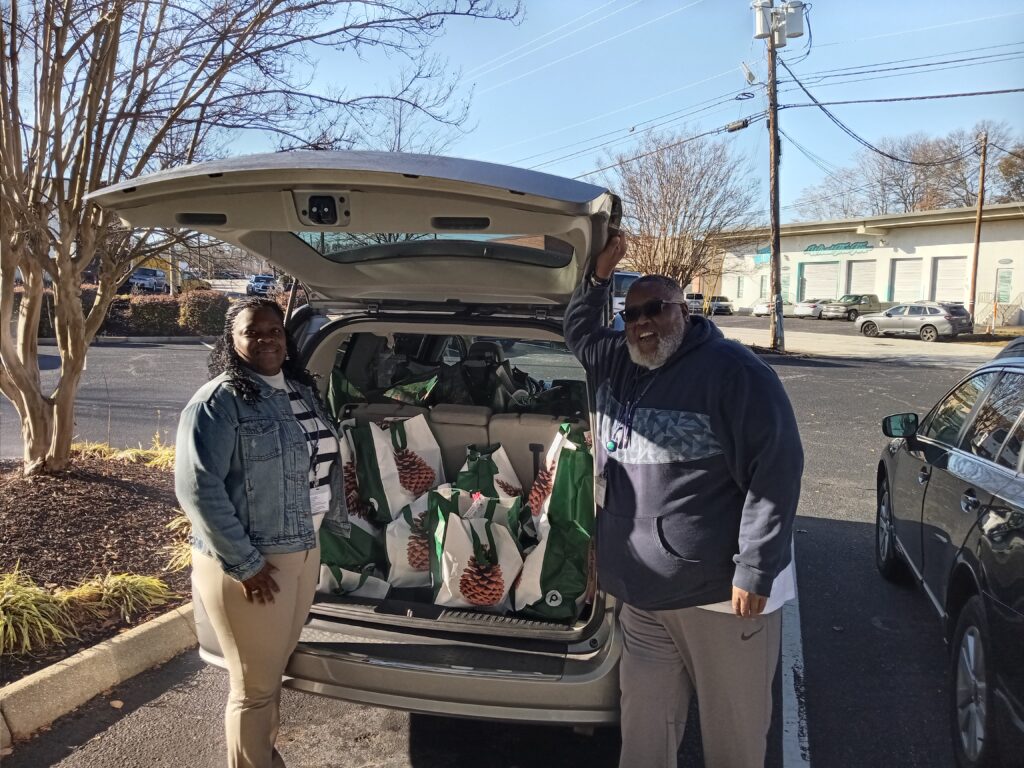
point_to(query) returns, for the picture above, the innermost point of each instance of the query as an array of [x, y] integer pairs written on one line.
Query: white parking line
[[795, 751]]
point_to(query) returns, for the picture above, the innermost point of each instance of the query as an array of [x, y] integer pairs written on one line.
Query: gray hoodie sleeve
[[589, 341], [763, 451]]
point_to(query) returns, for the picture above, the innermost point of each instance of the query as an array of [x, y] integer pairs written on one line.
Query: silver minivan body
[[389, 243]]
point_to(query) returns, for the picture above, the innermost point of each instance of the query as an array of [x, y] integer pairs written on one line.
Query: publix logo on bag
[[553, 598]]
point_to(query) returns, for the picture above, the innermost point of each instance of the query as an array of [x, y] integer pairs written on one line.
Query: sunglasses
[[649, 309]]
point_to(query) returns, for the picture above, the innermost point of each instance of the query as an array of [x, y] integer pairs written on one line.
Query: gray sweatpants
[[730, 663]]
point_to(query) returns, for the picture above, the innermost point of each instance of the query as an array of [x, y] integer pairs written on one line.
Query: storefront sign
[[861, 246]]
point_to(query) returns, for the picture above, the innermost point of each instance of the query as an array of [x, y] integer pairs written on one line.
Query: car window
[[918, 311], [622, 283], [996, 417], [948, 417], [1009, 457], [934, 311], [897, 311], [956, 310]]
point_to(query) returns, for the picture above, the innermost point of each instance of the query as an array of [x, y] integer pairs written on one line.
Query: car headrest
[[489, 351]]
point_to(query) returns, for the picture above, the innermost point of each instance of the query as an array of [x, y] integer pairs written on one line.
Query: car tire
[[852, 315], [929, 333], [972, 711], [887, 557], [869, 329]]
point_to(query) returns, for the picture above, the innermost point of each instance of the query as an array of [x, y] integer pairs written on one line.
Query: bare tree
[[841, 196], [1010, 168], [677, 201], [96, 91]]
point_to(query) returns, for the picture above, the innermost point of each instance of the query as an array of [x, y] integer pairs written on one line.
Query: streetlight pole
[[778, 335]]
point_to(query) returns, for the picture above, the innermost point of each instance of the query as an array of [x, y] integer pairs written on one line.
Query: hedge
[[155, 315], [202, 312]]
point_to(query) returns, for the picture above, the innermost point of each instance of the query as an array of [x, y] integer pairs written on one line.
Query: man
[[699, 464]]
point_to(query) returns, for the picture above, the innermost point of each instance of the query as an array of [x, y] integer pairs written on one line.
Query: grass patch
[[30, 617], [158, 455], [179, 553], [126, 594]]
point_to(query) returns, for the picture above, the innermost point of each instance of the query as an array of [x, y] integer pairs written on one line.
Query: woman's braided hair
[[224, 358]]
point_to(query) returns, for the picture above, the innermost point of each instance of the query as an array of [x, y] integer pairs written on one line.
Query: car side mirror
[[900, 425]]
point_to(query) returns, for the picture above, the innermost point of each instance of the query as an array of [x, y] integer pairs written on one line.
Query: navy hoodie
[[702, 495]]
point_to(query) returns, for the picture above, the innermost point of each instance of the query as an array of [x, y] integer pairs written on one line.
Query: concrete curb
[[51, 342], [37, 700]]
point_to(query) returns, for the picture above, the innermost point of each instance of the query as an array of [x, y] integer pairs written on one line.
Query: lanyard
[[627, 411]]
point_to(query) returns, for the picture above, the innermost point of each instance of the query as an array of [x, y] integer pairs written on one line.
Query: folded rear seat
[[526, 438], [455, 427]]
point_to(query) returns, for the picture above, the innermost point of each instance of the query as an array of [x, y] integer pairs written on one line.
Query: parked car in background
[[695, 301], [851, 306], [928, 321], [620, 286], [190, 281], [720, 305], [261, 285], [147, 280], [763, 308], [950, 517], [811, 308]]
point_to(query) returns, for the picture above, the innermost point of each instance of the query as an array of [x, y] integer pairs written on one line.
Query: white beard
[[667, 346]]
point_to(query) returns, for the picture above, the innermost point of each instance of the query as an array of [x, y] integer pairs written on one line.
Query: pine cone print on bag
[[418, 548], [356, 506], [482, 583], [414, 473], [507, 488], [540, 491]]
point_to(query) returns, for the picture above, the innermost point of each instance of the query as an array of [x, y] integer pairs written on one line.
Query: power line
[[872, 69], [750, 119], [591, 47], [493, 66], [1007, 151], [924, 29], [900, 98], [865, 143]]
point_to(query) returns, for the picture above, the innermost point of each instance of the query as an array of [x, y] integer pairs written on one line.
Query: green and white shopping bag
[[489, 471], [408, 546]]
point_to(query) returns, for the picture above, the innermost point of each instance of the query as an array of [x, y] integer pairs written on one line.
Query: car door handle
[[923, 476], [969, 503]]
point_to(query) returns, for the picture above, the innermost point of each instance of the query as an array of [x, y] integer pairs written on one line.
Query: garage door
[[821, 281], [949, 279], [861, 277], [906, 279]]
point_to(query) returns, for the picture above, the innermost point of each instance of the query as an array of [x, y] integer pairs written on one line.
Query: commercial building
[[924, 255]]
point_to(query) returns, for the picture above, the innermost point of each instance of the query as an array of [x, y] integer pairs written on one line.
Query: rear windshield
[[355, 247], [955, 309], [719, 298], [850, 298]]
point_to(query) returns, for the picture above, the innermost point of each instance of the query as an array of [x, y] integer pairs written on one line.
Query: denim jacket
[[241, 475]]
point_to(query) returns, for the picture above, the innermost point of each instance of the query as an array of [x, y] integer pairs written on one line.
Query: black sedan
[[951, 518]]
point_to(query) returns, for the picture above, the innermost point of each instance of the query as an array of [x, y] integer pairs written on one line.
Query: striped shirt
[[321, 443]]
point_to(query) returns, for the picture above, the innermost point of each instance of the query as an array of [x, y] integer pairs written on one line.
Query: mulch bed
[[98, 517]]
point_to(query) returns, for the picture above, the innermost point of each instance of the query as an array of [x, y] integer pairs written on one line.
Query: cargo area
[[475, 389]]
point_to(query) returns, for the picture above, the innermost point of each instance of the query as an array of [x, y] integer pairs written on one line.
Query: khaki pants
[[256, 640], [730, 663]]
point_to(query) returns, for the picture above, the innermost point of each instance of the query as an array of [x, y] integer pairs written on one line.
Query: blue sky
[[574, 71]]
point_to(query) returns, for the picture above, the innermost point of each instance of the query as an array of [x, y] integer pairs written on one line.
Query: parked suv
[[720, 305], [851, 306], [501, 251], [950, 516], [261, 285], [147, 280], [928, 321], [695, 301]]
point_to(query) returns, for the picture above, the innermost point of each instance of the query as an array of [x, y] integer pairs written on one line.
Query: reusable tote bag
[[408, 459], [489, 471], [554, 580], [408, 545]]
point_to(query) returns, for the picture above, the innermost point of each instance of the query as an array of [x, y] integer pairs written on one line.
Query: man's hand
[[747, 604], [261, 586], [609, 258]]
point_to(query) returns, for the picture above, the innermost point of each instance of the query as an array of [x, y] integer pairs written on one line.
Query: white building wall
[[1002, 248]]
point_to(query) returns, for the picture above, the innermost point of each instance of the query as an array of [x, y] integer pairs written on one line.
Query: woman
[[257, 474]]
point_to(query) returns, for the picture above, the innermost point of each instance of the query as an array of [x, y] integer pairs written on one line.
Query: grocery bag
[[474, 559], [362, 471], [408, 546], [339, 581], [554, 580], [408, 459], [488, 470]]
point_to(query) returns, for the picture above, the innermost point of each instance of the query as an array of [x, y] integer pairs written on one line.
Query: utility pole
[[777, 330], [775, 25], [972, 285]]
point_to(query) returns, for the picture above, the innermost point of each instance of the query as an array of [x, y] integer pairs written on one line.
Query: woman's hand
[[261, 586]]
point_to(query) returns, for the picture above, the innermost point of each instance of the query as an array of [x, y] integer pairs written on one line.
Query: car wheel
[[972, 715], [869, 329], [887, 557], [852, 315], [928, 333]]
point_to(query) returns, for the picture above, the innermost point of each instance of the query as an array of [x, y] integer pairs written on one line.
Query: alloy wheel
[[971, 693], [870, 329], [928, 333]]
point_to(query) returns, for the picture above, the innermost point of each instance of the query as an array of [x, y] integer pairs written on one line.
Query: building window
[[739, 287], [764, 287]]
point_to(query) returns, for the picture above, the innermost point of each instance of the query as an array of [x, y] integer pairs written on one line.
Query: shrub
[[127, 594], [153, 316], [48, 313], [30, 617], [202, 312]]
